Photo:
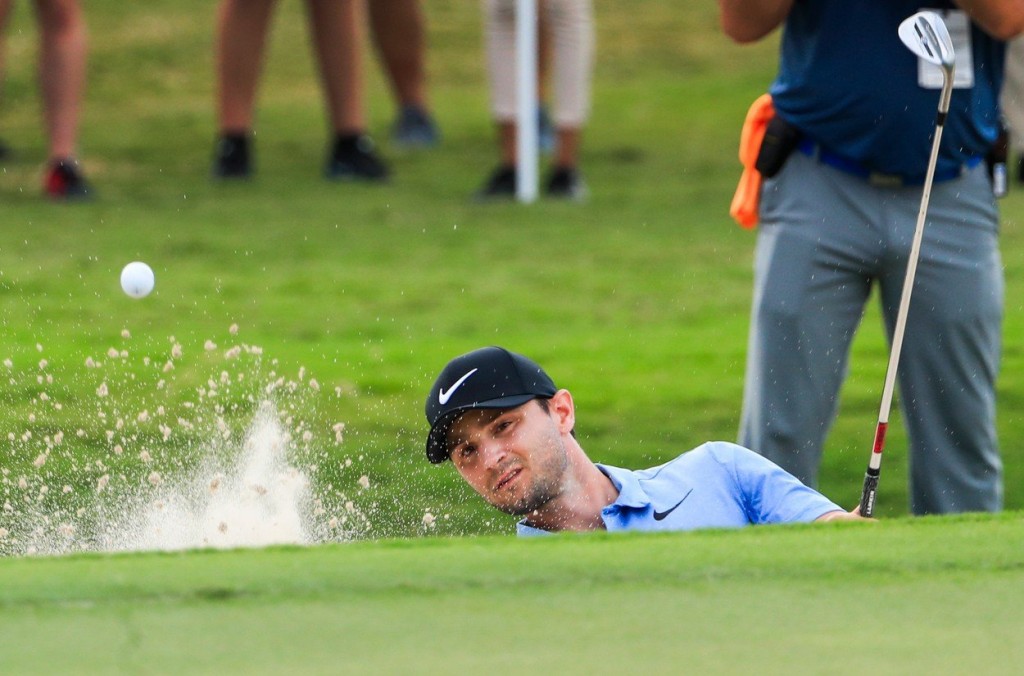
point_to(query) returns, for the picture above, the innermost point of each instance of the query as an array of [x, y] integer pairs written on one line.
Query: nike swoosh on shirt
[[443, 396], [658, 516]]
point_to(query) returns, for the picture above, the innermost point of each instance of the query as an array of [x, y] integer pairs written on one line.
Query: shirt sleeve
[[769, 493]]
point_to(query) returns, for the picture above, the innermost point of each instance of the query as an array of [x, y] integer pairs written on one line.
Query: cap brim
[[437, 440]]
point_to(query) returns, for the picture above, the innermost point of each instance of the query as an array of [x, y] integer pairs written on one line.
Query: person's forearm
[[1002, 19], [750, 20]]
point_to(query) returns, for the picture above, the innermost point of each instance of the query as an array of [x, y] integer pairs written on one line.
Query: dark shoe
[[64, 181], [1020, 169], [353, 159], [545, 131], [414, 128], [500, 185], [566, 183], [231, 157]]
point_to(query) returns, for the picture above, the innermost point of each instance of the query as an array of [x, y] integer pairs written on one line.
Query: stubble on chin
[[546, 484]]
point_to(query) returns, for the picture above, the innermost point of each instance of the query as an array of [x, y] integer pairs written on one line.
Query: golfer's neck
[[586, 491]]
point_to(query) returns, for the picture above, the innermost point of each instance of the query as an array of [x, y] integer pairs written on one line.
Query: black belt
[[846, 165]]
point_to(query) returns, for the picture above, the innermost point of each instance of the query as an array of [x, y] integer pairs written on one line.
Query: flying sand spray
[[237, 461]]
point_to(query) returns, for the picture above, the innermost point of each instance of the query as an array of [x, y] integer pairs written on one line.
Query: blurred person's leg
[[545, 131], [568, 26], [62, 56], [951, 351], [242, 27], [5, 13], [500, 26], [399, 34], [812, 278], [335, 30], [499, 18], [335, 26], [500, 45], [572, 35]]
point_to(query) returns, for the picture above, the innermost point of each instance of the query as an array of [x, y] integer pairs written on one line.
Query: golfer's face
[[514, 458]]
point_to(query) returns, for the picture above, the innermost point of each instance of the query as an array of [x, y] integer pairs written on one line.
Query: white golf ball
[[137, 279]]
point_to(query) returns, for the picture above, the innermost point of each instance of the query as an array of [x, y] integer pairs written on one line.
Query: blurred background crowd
[[337, 29]]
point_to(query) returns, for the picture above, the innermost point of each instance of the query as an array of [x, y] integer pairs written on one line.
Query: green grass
[[637, 301], [923, 596]]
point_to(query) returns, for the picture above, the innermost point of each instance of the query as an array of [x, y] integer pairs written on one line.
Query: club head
[[925, 34]]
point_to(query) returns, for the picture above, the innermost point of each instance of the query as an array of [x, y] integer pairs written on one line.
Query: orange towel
[[744, 207]]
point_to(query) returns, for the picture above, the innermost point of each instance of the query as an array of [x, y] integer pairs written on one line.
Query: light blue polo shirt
[[716, 485]]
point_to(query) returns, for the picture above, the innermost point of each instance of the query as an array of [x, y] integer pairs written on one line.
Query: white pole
[[526, 98]]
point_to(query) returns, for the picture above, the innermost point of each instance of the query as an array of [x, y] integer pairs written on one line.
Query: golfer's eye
[[465, 452]]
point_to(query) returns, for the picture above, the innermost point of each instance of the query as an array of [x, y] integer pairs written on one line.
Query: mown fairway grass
[[905, 597], [637, 301]]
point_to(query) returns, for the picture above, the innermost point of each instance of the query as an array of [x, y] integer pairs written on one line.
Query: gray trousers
[[825, 238]]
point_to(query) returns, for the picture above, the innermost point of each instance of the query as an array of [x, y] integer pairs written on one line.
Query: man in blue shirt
[[857, 110], [510, 433]]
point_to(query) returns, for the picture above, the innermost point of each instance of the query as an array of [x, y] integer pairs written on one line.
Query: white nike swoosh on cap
[[443, 397]]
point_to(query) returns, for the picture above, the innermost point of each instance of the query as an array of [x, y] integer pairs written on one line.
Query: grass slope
[[923, 596], [636, 301]]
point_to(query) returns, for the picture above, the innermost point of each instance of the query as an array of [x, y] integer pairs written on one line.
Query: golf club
[[925, 34]]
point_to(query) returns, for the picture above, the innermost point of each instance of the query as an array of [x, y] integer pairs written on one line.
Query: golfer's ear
[[563, 411]]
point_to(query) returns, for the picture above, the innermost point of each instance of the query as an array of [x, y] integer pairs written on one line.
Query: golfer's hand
[[840, 515]]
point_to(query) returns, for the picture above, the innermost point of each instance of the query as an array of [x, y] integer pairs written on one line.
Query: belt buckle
[[880, 180]]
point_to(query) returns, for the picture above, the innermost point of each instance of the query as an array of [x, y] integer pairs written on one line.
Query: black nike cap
[[491, 377]]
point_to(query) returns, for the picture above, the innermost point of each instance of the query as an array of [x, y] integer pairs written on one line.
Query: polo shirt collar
[[625, 481], [631, 496]]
